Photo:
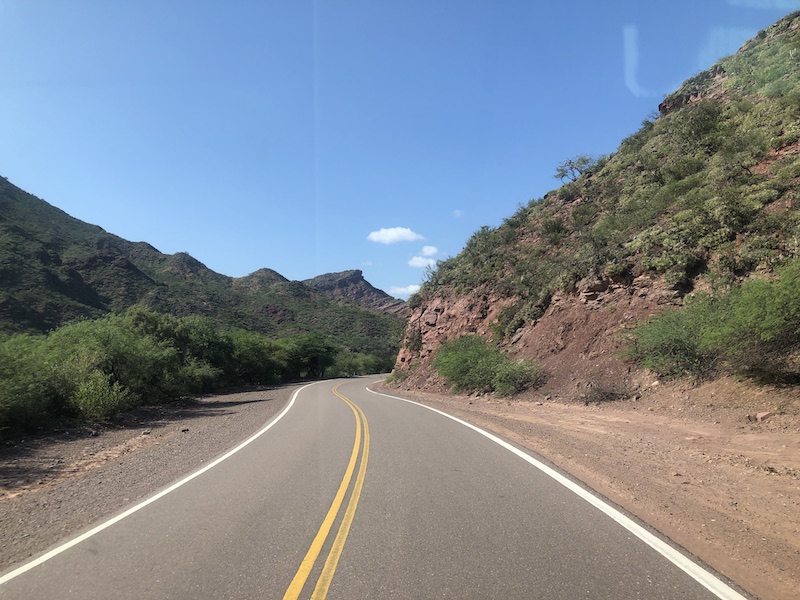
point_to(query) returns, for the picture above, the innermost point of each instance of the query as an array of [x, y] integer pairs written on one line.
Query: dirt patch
[[686, 460]]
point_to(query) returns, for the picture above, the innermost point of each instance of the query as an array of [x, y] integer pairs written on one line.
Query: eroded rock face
[[576, 341], [447, 317]]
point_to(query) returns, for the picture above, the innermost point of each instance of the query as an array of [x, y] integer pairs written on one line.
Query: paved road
[[351, 494]]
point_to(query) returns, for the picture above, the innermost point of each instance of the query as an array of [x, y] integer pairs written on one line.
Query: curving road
[[351, 494]]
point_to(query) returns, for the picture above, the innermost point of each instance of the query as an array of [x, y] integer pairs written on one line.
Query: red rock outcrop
[[576, 341]]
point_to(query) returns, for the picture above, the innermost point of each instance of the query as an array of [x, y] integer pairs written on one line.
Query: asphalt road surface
[[350, 494]]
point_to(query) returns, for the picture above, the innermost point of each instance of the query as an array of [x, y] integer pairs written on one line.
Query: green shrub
[[670, 344], [753, 329], [553, 229], [25, 401], [469, 364], [351, 364], [254, 359], [509, 320], [758, 331], [397, 376], [97, 397], [147, 367], [514, 377]]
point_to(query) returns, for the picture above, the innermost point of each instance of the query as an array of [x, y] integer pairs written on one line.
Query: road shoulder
[[54, 485]]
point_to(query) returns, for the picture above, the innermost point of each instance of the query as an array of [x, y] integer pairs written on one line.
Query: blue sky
[[320, 136]]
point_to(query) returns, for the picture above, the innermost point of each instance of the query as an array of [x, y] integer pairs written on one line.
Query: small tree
[[572, 168]]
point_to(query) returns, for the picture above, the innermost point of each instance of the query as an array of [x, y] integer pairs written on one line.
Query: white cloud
[[392, 235], [430, 251], [404, 292], [457, 213], [420, 262]]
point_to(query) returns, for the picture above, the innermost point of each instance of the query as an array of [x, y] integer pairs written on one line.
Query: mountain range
[[55, 269]]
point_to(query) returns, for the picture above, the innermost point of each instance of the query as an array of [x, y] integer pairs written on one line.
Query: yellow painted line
[[324, 581], [298, 582]]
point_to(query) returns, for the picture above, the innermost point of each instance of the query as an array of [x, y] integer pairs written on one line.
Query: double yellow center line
[[306, 566]]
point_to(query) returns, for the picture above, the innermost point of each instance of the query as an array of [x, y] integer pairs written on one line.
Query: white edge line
[[105, 525], [695, 571]]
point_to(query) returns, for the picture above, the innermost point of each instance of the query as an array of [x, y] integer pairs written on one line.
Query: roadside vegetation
[[91, 369], [752, 330], [469, 364]]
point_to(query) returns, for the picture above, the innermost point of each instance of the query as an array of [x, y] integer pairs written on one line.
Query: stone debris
[[759, 417]]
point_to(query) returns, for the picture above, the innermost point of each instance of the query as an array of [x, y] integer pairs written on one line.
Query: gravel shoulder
[[55, 485]]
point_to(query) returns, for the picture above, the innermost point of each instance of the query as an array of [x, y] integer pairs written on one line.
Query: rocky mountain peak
[[352, 286]]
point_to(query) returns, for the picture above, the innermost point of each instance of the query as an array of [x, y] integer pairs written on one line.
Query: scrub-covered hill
[[698, 210]]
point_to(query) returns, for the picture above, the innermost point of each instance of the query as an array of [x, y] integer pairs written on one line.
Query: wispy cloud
[[392, 235], [430, 251], [403, 292], [458, 213], [420, 262]]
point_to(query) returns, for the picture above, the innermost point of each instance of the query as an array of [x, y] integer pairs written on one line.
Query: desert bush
[[91, 369], [254, 359], [97, 397], [553, 229], [758, 330], [147, 367], [753, 330], [24, 399], [583, 214], [469, 364], [670, 344], [350, 364], [397, 376], [514, 377]]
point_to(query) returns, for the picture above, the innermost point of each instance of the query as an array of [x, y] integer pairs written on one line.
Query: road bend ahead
[[349, 494]]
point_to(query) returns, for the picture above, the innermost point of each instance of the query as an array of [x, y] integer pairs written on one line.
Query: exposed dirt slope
[[577, 340]]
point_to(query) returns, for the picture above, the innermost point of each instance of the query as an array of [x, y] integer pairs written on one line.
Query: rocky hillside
[[55, 269], [352, 287], [704, 196]]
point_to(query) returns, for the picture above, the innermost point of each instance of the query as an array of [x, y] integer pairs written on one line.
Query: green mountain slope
[[55, 269]]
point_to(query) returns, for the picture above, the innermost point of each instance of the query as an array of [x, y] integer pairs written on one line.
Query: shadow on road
[[33, 459]]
